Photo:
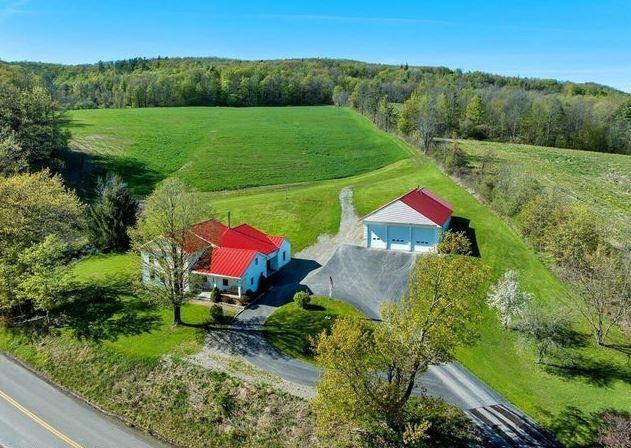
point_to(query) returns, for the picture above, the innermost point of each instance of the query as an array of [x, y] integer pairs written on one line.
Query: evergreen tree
[[113, 212]]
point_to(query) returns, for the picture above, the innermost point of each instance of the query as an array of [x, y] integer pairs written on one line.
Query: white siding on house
[[284, 254], [149, 265], [250, 280]]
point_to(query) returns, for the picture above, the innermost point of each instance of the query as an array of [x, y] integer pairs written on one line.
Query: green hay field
[[230, 148], [599, 181]]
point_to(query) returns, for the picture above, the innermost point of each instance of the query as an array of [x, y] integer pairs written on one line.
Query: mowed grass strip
[[292, 329], [217, 148]]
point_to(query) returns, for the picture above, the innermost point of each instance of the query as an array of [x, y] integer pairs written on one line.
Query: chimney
[[229, 221]]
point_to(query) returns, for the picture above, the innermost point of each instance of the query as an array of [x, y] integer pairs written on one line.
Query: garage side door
[[376, 236], [399, 237]]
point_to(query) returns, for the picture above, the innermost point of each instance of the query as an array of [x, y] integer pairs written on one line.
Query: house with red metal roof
[[414, 222], [232, 259]]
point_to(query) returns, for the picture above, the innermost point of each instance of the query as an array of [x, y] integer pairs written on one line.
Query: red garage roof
[[428, 204], [226, 262]]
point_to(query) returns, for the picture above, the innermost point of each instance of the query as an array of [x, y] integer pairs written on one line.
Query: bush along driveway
[[501, 423]]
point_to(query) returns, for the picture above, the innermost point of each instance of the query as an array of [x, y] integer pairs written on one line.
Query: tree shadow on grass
[[599, 372], [460, 224], [81, 171], [313, 307], [622, 348], [140, 178], [106, 312], [575, 428]]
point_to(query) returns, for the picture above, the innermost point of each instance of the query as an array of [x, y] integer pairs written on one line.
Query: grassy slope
[[231, 148], [160, 337], [600, 181], [291, 329], [303, 211]]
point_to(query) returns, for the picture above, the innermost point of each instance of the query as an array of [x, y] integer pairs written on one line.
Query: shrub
[[573, 237], [538, 217], [455, 160], [547, 332], [216, 313], [302, 299], [215, 295], [507, 298], [513, 190], [615, 430], [454, 243]]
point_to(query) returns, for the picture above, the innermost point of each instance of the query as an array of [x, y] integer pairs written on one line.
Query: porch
[[230, 287]]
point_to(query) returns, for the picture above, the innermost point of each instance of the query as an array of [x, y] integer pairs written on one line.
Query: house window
[[284, 256], [251, 280], [224, 282], [256, 260]]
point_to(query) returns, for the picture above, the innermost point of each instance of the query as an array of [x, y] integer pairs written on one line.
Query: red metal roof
[[428, 204], [193, 243], [241, 237], [226, 262], [211, 231], [277, 240], [247, 237]]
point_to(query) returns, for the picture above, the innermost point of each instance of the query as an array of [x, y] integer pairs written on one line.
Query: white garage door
[[399, 237], [424, 238], [376, 236]]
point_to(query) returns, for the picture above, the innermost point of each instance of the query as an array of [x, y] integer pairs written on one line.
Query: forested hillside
[[431, 101]]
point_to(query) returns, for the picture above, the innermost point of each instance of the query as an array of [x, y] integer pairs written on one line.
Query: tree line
[[427, 102]]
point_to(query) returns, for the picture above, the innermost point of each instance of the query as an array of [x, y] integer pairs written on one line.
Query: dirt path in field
[[350, 232]]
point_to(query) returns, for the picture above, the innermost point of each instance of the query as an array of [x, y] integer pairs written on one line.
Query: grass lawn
[[599, 181], [291, 329], [214, 148], [127, 324]]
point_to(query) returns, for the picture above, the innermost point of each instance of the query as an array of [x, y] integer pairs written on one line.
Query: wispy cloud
[[10, 8]]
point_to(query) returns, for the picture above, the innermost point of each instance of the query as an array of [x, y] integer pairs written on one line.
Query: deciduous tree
[[508, 298], [454, 243], [601, 280], [371, 370], [37, 217], [163, 230]]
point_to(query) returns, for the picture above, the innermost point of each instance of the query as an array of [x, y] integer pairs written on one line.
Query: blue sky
[[569, 40]]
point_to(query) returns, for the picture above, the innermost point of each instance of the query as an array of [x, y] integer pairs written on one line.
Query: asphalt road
[[34, 414]]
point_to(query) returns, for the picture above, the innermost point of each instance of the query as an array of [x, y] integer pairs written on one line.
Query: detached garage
[[414, 222]]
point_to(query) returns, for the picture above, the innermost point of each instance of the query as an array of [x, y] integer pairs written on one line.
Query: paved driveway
[[363, 277]]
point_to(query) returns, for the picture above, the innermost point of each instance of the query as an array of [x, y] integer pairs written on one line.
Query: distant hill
[[527, 110]]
